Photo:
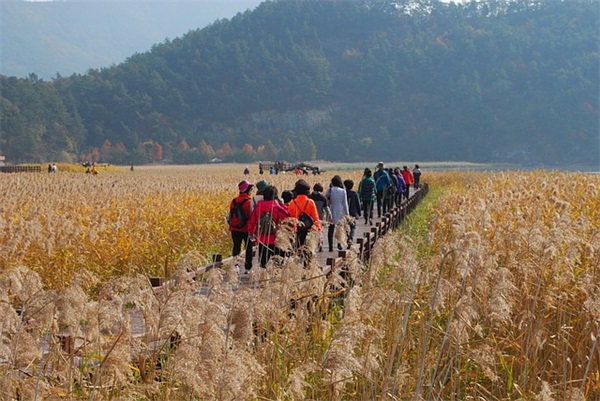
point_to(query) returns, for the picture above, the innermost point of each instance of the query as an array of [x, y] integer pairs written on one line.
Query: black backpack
[[238, 211], [306, 220], [266, 224]]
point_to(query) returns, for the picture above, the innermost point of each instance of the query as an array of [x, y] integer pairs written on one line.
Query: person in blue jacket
[[382, 181]]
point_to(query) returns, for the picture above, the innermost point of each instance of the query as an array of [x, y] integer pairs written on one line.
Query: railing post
[[217, 260]]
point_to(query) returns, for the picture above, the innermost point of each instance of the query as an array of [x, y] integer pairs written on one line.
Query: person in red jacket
[[258, 225], [408, 180], [239, 228]]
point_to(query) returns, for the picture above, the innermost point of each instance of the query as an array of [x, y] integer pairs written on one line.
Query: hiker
[[320, 202], [382, 181], [246, 171], [264, 222], [417, 176], [353, 208], [303, 204], [260, 187], [408, 180], [401, 185], [239, 213], [391, 190], [338, 203], [367, 192], [287, 196]]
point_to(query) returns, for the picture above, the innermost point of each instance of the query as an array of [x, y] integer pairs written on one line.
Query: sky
[[85, 34]]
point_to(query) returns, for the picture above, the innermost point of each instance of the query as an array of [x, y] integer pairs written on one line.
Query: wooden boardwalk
[[365, 237]]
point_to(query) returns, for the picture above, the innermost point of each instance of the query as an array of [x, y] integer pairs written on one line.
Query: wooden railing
[[21, 169], [389, 222]]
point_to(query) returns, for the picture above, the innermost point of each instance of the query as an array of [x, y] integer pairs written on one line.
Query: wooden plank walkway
[[365, 237]]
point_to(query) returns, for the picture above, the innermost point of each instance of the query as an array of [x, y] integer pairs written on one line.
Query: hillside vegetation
[[345, 81]]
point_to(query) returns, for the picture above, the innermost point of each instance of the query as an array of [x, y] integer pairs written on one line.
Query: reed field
[[489, 291]]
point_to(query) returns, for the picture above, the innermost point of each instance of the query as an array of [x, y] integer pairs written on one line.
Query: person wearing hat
[[260, 187], [239, 213], [382, 181]]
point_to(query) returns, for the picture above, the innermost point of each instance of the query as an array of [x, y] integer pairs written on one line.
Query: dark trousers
[[380, 202], [330, 232], [238, 238], [368, 210], [391, 200], [265, 251], [351, 233]]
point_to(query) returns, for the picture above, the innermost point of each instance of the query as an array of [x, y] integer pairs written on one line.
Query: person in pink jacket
[[259, 225]]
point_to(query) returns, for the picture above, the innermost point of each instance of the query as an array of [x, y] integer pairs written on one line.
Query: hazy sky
[[71, 37]]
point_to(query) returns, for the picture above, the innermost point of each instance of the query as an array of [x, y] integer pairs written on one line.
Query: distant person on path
[[408, 180], [246, 171], [54, 168], [322, 206], [239, 229], [353, 208], [417, 176], [367, 192], [338, 203], [401, 185], [391, 190], [49, 168], [382, 181], [267, 211], [320, 201]]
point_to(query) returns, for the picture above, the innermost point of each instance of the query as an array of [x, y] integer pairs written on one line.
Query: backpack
[[266, 224], [367, 189], [305, 219], [238, 212]]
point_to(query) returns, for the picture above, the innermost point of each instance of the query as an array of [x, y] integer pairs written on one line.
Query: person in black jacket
[[353, 207]]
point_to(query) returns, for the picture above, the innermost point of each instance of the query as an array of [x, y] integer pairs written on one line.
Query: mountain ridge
[[492, 81]]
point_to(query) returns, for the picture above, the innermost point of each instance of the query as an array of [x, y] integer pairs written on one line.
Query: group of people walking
[[255, 219], [386, 188]]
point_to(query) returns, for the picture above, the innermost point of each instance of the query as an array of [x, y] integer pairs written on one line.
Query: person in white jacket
[[338, 204]]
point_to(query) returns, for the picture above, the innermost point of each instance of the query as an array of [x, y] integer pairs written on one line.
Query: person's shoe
[[330, 249], [340, 247], [247, 271], [370, 222]]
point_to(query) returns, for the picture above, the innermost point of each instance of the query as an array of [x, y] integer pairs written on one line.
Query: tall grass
[[491, 292]]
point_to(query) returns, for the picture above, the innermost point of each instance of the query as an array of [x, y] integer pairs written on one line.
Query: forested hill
[[513, 81]]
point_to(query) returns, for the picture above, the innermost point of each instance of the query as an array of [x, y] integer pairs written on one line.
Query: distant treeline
[[513, 81]]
